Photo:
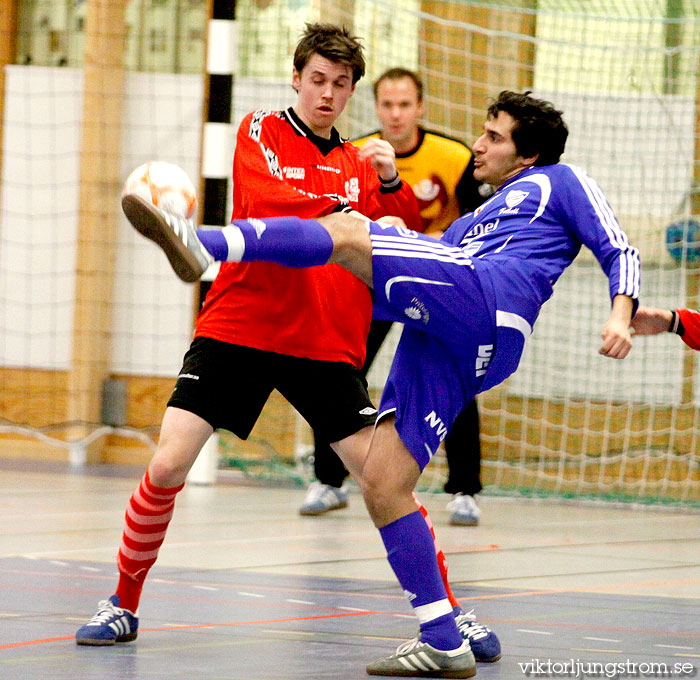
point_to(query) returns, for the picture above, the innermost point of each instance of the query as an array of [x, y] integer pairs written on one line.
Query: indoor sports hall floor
[[246, 589]]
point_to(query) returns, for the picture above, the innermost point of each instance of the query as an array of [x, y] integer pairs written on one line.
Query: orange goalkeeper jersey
[[441, 172]]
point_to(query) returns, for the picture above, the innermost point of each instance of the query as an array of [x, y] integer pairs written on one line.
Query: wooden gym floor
[[247, 589]]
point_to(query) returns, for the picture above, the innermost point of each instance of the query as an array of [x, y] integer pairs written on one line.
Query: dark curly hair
[[333, 43], [539, 127]]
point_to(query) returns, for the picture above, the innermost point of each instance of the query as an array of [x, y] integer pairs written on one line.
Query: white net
[[625, 73]]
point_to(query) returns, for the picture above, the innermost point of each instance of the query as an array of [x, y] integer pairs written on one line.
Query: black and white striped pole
[[216, 165], [217, 133]]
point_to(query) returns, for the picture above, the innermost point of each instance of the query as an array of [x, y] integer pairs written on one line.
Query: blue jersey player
[[468, 302]]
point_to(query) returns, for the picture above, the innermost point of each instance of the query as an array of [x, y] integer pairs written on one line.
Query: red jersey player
[[266, 326]]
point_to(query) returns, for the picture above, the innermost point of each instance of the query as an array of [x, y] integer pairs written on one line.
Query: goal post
[[99, 185]]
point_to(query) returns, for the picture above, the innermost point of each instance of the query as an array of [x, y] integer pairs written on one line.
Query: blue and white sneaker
[[111, 624], [482, 640]]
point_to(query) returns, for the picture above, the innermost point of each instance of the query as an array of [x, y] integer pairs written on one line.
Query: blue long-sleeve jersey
[[532, 228]]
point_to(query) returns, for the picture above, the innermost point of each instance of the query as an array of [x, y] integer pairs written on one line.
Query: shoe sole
[[463, 523], [314, 513], [492, 659], [405, 673], [151, 224], [92, 642]]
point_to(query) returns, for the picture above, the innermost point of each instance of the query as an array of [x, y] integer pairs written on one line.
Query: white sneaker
[[465, 511], [321, 498], [418, 659], [177, 236]]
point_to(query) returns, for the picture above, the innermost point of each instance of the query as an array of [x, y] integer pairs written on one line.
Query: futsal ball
[[683, 241], [165, 185]]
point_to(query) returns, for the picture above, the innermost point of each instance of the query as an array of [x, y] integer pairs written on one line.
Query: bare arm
[[651, 321], [617, 339]]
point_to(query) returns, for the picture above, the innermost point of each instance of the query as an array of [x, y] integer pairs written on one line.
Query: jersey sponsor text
[[436, 424]]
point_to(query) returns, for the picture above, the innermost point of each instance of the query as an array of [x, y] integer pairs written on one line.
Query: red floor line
[[44, 641]]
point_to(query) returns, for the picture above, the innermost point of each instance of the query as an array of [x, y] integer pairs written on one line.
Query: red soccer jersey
[[281, 168], [691, 324]]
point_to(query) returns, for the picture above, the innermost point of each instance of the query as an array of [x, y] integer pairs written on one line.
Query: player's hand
[[617, 338], [650, 321], [382, 157], [393, 220]]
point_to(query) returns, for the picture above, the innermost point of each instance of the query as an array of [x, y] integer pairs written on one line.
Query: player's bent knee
[[348, 231], [385, 496], [352, 248], [166, 471]]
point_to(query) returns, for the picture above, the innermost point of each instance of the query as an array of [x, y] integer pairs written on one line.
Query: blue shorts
[[448, 339]]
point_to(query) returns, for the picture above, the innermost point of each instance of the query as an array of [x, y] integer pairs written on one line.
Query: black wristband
[[390, 182], [674, 319], [676, 325]]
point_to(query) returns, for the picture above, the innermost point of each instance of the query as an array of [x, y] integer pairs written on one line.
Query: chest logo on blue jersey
[[516, 197], [480, 229], [513, 199]]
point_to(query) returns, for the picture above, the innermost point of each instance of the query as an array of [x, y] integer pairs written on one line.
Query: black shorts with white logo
[[227, 385]]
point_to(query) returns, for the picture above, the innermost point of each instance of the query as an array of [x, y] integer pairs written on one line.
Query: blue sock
[[290, 241], [215, 242], [411, 553]]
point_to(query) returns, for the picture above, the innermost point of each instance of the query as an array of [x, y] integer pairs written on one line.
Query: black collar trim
[[421, 137], [325, 146]]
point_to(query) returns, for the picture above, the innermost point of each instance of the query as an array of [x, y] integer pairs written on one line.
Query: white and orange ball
[[165, 185]]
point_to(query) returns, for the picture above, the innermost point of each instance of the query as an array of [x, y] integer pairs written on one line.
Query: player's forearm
[[652, 320], [622, 308]]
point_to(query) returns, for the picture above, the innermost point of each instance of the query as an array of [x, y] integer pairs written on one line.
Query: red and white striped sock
[[148, 514], [442, 562]]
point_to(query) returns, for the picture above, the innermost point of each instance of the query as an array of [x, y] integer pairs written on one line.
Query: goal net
[[93, 324]]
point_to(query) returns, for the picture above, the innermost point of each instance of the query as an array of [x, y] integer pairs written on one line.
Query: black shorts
[[227, 385]]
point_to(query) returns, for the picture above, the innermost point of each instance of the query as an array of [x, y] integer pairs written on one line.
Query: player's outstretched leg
[[177, 236], [290, 241]]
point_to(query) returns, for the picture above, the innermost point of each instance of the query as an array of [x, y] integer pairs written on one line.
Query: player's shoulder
[[440, 140], [359, 141], [444, 149], [559, 176], [568, 172], [262, 114], [253, 122], [575, 179]]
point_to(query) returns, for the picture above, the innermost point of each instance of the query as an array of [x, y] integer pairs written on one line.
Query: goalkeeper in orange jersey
[[683, 322]]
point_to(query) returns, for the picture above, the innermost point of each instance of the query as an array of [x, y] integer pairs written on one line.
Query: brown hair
[[396, 74], [333, 43]]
